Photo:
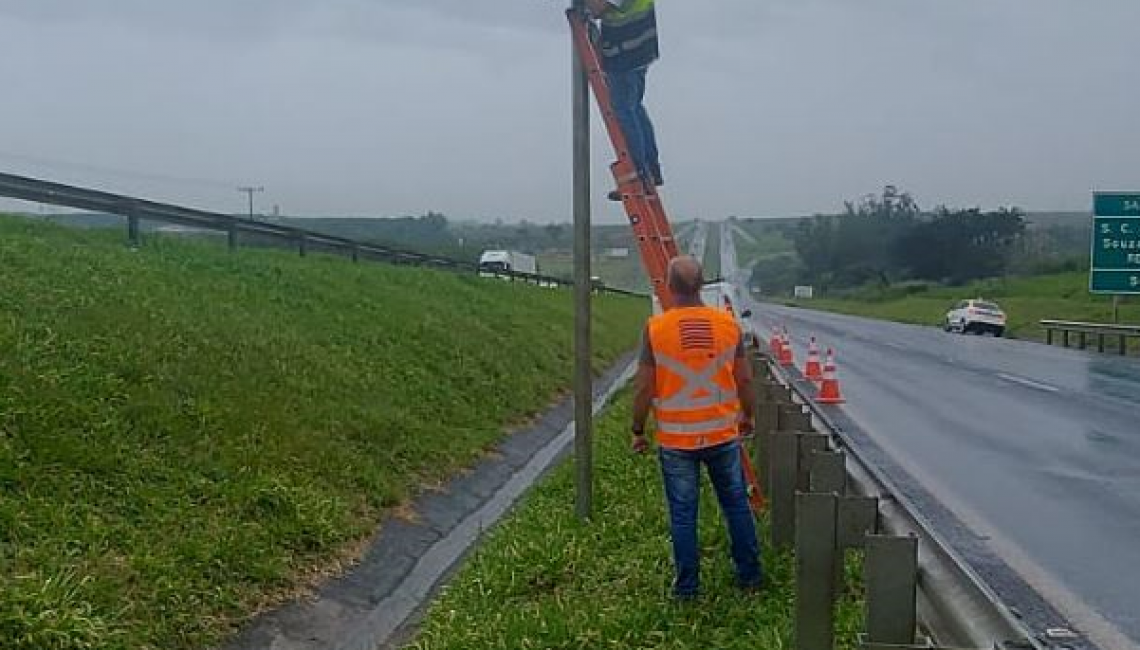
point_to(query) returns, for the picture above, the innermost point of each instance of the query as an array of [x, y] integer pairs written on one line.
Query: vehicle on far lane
[[496, 263], [976, 317]]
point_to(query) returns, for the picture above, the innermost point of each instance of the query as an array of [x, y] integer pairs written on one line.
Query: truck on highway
[[495, 263]]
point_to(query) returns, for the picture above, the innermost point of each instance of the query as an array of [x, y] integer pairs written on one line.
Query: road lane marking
[[1029, 383]]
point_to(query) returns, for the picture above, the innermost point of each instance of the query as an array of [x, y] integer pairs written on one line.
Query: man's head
[[685, 279]]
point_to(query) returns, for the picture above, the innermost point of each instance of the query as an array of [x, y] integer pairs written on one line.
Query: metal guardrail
[[1102, 331], [136, 209], [940, 590]]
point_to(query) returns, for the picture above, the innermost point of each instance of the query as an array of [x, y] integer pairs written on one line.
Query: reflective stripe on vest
[[697, 380], [703, 427]]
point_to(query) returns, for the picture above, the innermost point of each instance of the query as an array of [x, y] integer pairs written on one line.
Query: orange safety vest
[[695, 404]]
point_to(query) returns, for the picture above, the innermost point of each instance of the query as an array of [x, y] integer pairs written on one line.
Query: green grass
[[541, 579], [1026, 301], [188, 436], [768, 240], [618, 272]]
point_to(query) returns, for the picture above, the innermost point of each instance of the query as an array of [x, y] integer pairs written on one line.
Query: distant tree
[[855, 247], [957, 246]]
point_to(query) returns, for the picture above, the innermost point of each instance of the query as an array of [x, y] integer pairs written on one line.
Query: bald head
[[684, 278]]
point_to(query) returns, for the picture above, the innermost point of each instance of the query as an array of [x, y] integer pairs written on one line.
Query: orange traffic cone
[[812, 369], [787, 355], [774, 344], [829, 387]]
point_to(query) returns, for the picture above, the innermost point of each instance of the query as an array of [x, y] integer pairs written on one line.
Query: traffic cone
[[829, 386], [812, 369], [774, 344], [787, 355]]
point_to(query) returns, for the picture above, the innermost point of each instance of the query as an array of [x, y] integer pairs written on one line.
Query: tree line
[[886, 238]]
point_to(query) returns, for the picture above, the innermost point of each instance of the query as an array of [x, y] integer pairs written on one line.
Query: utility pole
[[583, 351], [250, 191]]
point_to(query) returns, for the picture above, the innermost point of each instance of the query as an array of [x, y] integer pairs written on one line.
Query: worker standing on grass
[[694, 374], [628, 47]]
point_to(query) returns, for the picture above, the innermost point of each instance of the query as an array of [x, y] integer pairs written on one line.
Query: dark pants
[[627, 92], [682, 472]]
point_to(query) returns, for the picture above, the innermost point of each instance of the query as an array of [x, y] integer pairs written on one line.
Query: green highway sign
[[1116, 243], [1116, 204]]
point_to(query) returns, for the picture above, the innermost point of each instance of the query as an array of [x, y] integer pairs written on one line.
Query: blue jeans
[[682, 472], [627, 93]]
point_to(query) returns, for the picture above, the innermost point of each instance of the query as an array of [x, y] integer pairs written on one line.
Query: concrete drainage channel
[[829, 491], [376, 604]]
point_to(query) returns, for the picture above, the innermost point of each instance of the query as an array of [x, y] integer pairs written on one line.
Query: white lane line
[[1029, 383]]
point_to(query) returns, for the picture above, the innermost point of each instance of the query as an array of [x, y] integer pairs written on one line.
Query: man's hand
[[747, 427], [640, 443]]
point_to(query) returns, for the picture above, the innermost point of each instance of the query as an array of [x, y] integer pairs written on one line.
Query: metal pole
[[1116, 309], [133, 230], [249, 190], [583, 379]]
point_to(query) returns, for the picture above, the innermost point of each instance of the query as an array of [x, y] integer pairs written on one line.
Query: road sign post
[[1115, 243], [583, 351]]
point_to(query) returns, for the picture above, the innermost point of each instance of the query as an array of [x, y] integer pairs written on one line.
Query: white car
[[976, 316]]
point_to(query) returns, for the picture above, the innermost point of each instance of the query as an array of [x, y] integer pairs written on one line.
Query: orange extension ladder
[[642, 203], [639, 196]]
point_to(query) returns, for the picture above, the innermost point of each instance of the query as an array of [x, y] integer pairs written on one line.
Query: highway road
[[1035, 449], [699, 239]]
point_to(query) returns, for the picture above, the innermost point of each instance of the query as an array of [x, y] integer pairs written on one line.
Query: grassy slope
[[621, 273], [186, 434], [770, 240], [1026, 301], [543, 580]]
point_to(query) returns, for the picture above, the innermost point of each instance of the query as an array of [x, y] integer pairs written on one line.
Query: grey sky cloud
[[385, 107]]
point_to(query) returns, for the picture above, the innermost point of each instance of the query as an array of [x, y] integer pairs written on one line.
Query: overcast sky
[[388, 107]]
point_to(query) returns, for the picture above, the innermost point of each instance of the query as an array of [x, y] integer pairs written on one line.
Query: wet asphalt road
[[1037, 449]]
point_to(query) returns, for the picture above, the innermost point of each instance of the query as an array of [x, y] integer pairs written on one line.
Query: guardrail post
[[778, 397], [891, 578], [761, 430], [133, 237], [1048, 336], [302, 245], [794, 418], [355, 253], [815, 571], [1065, 338], [857, 518], [782, 488], [1083, 339], [232, 236], [810, 443], [827, 472], [1100, 343], [1123, 345]]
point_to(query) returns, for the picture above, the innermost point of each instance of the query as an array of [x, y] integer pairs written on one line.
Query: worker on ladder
[[694, 374], [628, 46]]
